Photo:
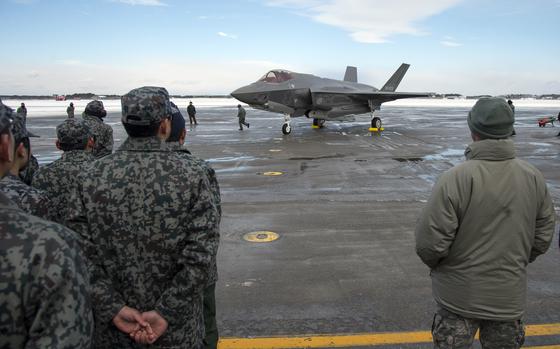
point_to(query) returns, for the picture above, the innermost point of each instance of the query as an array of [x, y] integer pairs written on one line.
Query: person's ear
[[21, 151], [90, 143], [182, 136], [164, 130], [6, 148], [58, 145]]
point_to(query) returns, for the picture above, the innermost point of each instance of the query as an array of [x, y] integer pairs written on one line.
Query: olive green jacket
[[485, 221]]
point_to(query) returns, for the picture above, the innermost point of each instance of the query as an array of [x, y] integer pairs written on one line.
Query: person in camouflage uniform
[[59, 178], [176, 143], [150, 229], [29, 199], [27, 174], [44, 298], [102, 133]]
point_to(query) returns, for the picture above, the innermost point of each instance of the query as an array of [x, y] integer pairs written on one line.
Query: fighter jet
[[296, 94]]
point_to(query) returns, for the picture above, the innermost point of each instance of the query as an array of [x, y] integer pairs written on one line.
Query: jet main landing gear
[[376, 123], [318, 123]]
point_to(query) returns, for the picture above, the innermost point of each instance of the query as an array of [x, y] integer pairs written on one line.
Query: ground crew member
[[241, 115], [150, 229], [22, 111], [45, 289], [558, 135], [176, 142], [70, 110], [510, 103], [27, 198], [485, 221], [102, 133], [59, 178], [191, 110]]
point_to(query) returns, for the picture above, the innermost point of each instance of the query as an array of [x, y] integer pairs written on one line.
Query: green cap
[[492, 118]]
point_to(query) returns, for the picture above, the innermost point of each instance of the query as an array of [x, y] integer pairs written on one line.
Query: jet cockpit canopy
[[277, 76]]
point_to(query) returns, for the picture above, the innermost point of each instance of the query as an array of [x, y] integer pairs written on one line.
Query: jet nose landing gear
[[286, 128]]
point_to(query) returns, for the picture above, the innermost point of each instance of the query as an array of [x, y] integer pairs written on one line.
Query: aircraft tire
[[286, 129], [376, 123]]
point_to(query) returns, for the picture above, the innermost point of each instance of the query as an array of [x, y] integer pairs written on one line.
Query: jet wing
[[377, 97]]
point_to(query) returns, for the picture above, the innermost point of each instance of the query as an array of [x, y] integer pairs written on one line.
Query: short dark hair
[[138, 131]]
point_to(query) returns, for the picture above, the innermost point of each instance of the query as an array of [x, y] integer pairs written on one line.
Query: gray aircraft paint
[[296, 94]]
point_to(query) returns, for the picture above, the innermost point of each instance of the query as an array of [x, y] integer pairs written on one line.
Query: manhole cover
[[261, 236], [272, 173]]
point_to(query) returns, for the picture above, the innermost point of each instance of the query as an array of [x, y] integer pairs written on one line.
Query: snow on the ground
[[42, 107]]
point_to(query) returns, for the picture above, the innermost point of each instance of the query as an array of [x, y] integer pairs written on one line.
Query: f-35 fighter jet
[[295, 94]]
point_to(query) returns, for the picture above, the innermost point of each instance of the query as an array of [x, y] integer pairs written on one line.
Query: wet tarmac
[[345, 206]]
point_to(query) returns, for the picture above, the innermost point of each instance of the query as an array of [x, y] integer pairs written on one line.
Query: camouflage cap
[[73, 132], [145, 106], [96, 108], [6, 117], [177, 123], [20, 130]]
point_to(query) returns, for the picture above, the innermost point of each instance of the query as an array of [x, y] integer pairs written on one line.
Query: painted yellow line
[[544, 347], [357, 340]]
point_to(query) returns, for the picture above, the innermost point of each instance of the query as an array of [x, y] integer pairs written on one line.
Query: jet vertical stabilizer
[[351, 74], [395, 80]]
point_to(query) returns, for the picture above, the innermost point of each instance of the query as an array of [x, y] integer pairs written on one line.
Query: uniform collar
[[144, 144], [77, 155], [491, 149], [176, 146], [11, 177], [92, 118]]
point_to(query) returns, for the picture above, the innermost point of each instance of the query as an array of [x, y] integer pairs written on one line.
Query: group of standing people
[[131, 259]]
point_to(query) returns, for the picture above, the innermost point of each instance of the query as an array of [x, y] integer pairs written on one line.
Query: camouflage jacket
[[150, 229], [44, 298], [103, 135], [29, 199], [211, 175], [59, 179], [32, 167]]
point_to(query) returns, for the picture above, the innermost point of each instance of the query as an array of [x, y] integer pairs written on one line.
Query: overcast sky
[[213, 47]]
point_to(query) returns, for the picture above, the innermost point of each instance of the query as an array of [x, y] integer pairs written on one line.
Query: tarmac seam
[[361, 340]]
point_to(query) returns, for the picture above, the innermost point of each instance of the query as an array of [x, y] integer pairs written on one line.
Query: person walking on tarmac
[[191, 110], [241, 115], [486, 220]]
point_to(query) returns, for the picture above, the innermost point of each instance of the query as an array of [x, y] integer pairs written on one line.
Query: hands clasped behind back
[[144, 328]]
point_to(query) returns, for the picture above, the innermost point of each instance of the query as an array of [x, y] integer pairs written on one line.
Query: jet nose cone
[[241, 94]]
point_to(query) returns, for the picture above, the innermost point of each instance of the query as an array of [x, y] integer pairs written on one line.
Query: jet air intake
[[278, 108]]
